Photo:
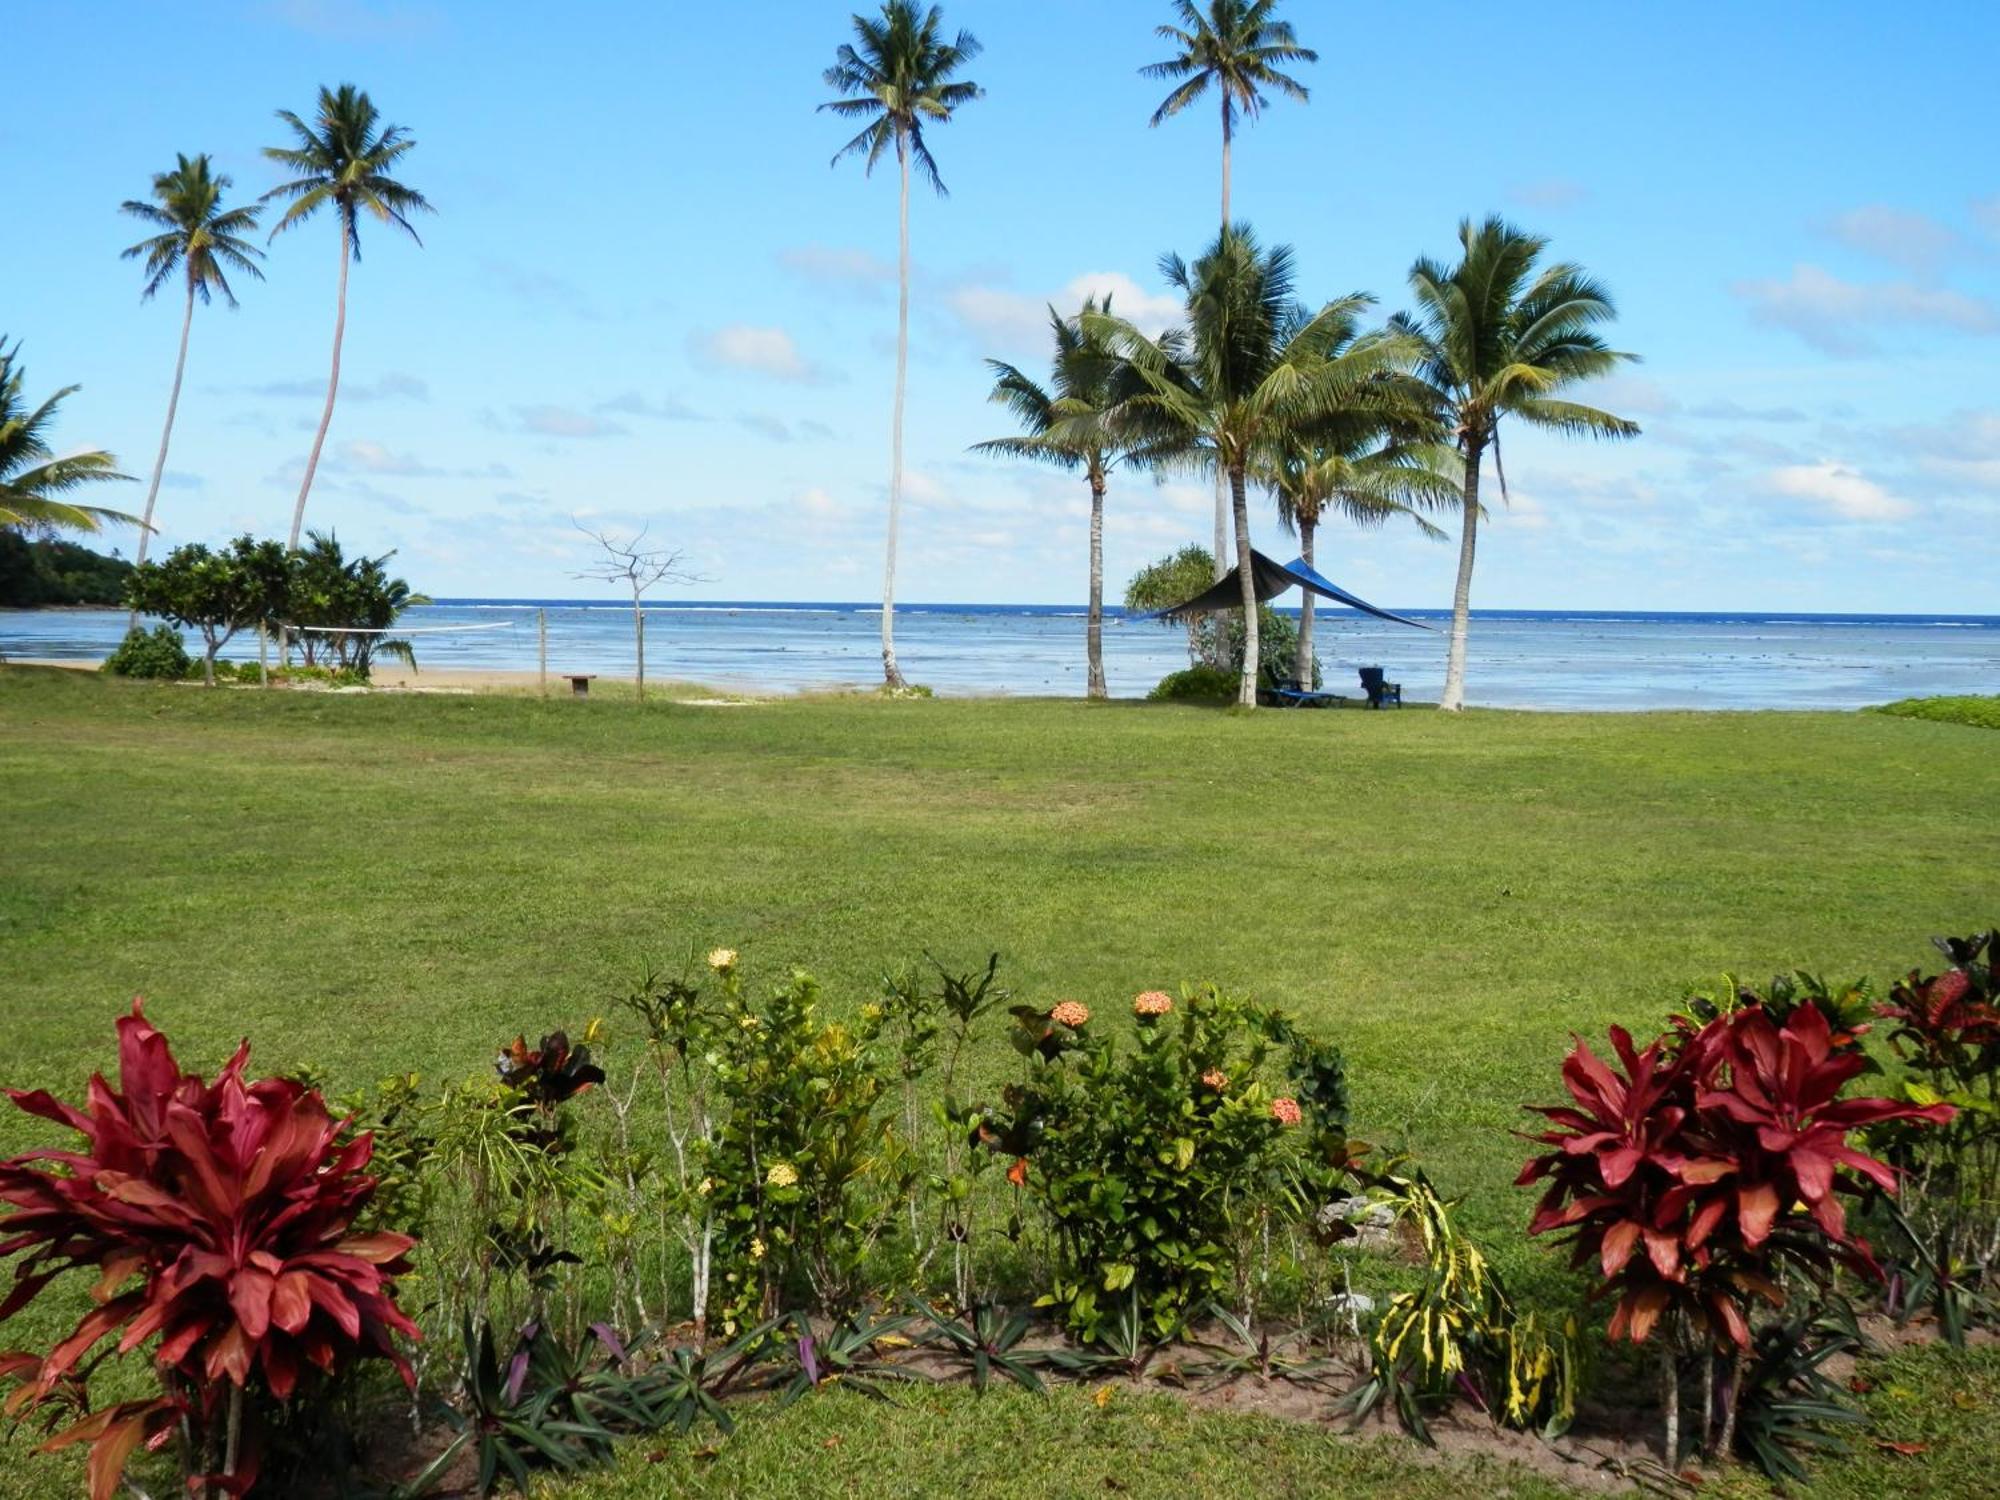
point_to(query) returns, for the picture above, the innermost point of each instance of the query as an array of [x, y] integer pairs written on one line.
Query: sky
[[647, 296]]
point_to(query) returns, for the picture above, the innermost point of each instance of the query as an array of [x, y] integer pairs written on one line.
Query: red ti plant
[[217, 1219], [1711, 1162]]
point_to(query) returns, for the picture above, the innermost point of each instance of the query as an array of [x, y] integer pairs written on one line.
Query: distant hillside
[[55, 572]]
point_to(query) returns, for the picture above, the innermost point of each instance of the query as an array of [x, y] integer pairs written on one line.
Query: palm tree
[[897, 76], [1072, 423], [345, 158], [1349, 469], [198, 238], [1252, 369], [1499, 338], [32, 481], [1236, 47]]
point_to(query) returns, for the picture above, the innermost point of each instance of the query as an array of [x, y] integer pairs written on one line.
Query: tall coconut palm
[[1253, 368], [1349, 469], [1072, 423], [33, 482], [1236, 47], [1498, 338], [201, 240], [897, 76], [346, 158]]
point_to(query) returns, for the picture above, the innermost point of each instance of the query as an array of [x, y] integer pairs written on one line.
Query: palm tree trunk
[[1303, 668], [891, 673], [166, 436], [332, 387], [1246, 690], [1461, 596], [1221, 490], [1093, 633]]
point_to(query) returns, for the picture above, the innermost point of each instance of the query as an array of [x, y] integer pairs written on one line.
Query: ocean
[[1552, 659]]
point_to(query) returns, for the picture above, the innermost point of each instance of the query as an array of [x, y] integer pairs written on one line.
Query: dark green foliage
[[332, 591], [40, 571], [988, 1342], [1789, 1405], [156, 653], [845, 1355], [1196, 685], [217, 593], [1978, 712]]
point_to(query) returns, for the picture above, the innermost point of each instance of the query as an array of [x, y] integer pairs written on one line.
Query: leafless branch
[[630, 561]]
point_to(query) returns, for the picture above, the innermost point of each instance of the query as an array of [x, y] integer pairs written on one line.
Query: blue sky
[[646, 297]]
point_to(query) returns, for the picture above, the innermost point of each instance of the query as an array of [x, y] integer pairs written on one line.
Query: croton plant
[[1706, 1162], [217, 1220]]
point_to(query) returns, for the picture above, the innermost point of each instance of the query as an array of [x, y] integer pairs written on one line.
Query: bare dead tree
[[631, 562]]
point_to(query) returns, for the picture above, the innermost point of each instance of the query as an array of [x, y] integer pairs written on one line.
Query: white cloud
[[563, 422], [632, 404], [361, 456], [1914, 241], [764, 351], [841, 265], [394, 386], [1831, 314], [1015, 319], [1842, 490]]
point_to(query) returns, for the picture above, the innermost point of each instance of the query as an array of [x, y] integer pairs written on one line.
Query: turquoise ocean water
[[1519, 658]]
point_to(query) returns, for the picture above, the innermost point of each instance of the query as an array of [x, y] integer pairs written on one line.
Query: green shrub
[[156, 653], [1153, 1163], [1196, 685], [1981, 713]]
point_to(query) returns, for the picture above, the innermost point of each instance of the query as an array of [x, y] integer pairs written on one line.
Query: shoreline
[[394, 677]]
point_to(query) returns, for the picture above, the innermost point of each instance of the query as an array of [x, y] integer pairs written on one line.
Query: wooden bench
[[579, 683]]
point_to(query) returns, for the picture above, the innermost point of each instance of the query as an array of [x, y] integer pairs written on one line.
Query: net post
[[542, 651]]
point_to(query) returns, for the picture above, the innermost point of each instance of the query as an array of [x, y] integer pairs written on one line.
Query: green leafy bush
[[156, 653], [1149, 1161], [1981, 713], [1196, 685]]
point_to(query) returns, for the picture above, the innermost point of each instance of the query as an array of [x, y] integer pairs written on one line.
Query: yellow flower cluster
[[722, 960], [782, 1174]]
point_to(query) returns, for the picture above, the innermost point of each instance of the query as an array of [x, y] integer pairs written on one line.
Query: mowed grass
[[368, 884]]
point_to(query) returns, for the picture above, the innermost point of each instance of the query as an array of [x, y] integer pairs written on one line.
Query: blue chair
[[1378, 690]]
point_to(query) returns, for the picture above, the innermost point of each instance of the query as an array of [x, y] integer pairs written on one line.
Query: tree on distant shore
[[345, 158], [198, 238], [897, 76], [34, 483], [1253, 368], [217, 593], [629, 561], [1499, 338], [1236, 47], [1072, 423]]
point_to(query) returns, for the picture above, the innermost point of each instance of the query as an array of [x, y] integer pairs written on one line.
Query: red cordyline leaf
[[1684, 1169], [218, 1219]]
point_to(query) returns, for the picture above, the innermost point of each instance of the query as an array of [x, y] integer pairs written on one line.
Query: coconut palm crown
[[34, 484], [1073, 423], [1499, 336], [1253, 368], [1236, 47]]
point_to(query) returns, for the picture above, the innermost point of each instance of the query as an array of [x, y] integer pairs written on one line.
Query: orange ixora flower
[[1070, 1013], [1286, 1111], [1153, 1003], [1018, 1173], [1216, 1079]]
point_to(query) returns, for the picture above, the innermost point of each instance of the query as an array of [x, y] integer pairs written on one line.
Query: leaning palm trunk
[[1461, 597], [166, 436], [1246, 691], [891, 673], [1093, 633], [1302, 675], [332, 388]]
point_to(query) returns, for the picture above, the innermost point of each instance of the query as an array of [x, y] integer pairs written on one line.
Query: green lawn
[[370, 884]]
